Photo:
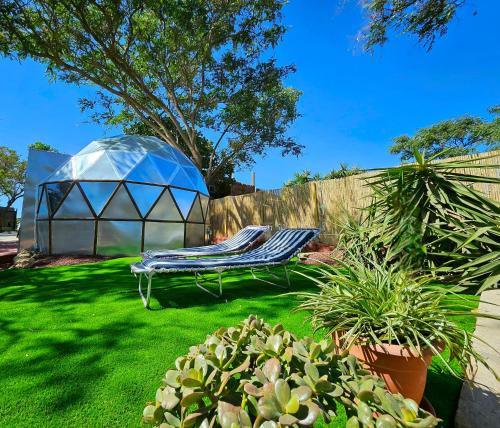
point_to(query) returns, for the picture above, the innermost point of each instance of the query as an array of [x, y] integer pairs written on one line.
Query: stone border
[[479, 402]]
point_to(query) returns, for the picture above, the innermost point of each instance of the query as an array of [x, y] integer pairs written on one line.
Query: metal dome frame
[[119, 209]]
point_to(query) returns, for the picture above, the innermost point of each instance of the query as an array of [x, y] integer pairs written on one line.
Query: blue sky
[[353, 103]]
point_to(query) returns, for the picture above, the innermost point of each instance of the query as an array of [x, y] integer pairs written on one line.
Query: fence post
[[316, 205]]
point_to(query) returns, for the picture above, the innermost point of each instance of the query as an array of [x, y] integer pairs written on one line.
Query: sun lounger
[[277, 251], [239, 243]]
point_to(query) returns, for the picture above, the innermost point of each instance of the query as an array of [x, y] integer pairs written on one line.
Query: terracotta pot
[[402, 369]]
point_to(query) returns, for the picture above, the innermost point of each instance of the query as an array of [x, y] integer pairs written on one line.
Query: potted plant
[[391, 320]]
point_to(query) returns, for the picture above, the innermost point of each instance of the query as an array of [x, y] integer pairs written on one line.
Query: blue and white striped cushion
[[236, 243], [281, 247]]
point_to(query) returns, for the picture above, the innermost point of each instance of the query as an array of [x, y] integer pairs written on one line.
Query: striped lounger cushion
[[280, 248], [236, 244]]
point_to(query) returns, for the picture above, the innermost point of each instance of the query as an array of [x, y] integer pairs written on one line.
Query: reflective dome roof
[[133, 158]]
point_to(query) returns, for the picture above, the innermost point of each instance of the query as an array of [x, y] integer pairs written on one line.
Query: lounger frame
[[149, 273]]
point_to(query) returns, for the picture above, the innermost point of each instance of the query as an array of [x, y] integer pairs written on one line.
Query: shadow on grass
[[73, 336], [85, 284], [58, 370]]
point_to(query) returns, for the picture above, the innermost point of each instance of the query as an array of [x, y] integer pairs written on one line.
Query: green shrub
[[263, 376]]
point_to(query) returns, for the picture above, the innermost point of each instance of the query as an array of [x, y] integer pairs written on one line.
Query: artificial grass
[[79, 349]]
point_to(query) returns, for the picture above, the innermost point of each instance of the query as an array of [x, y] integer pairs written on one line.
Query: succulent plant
[[257, 375]]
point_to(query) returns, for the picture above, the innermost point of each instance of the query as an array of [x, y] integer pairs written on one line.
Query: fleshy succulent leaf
[[256, 375], [282, 391]]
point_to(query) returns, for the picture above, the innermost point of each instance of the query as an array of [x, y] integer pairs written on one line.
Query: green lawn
[[78, 348]]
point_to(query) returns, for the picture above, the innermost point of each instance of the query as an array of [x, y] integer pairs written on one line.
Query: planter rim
[[395, 349]]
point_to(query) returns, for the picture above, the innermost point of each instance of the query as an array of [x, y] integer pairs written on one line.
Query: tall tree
[[427, 19], [203, 64], [12, 172], [455, 137]]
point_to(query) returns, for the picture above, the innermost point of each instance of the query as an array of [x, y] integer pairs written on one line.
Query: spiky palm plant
[[428, 216]]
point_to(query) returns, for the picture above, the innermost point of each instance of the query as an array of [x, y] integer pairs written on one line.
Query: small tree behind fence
[[324, 204]]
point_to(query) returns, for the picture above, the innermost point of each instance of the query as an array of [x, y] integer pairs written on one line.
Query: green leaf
[[311, 371], [268, 408], [385, 421], [302, 392], [191, 383], [287, 420], [282, 391], [312, 414], [172, 420], [169, 401], [293, 405], [364, 413], [251, 389], [352, 422], [272, 369], [274, 343], [192, 398], [172, 378]]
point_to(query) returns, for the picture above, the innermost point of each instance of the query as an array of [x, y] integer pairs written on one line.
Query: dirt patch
[[320, 257], [67, 260]]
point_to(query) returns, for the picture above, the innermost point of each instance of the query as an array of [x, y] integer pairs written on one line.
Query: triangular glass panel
[[182, 158], [124, 161], [81, 163], [166, 168], [56, 193], [181, 179], [74, 206], [166, 151], [98, 193], [197, 179], [121, 206], [94, 166], [43, 211], [196, 215], [204, 204], [145, 172], [94, 146], [144, 196], [165, 208], [184, 200], [65, 172]]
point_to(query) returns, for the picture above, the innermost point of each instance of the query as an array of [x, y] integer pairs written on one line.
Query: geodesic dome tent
[[121, 196]]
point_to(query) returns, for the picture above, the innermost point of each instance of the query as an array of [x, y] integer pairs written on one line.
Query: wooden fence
[[323, 204]]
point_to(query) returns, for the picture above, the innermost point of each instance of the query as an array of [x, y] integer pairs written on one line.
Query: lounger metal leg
[[252, 270], [198, 278], [146, 299]]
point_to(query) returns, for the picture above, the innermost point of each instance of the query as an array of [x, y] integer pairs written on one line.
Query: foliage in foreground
[[203, 65], [365, 301], [424, 19], [429, 217], [258, 375]]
